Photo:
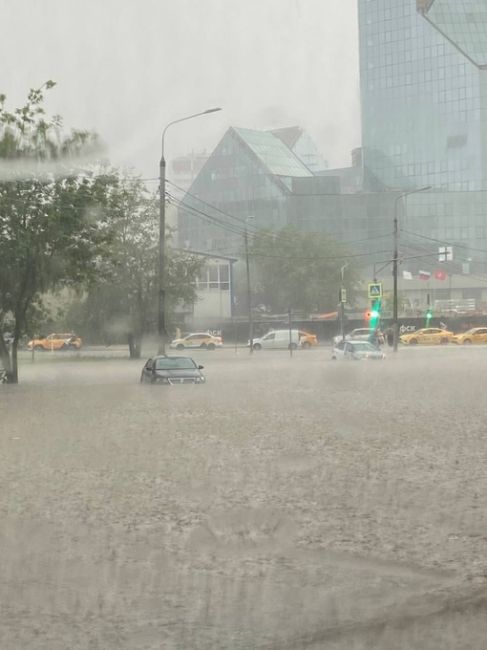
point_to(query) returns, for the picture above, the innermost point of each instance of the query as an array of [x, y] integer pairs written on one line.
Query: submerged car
[[203, 340], [356, 351], [171, 370], [474, 336], [65, 341], [360, 334], [428, 336]]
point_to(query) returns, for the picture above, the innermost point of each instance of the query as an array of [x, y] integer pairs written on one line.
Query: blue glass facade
[[424, 92]]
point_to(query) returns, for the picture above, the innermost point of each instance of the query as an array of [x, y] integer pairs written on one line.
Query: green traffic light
[[375, 315]]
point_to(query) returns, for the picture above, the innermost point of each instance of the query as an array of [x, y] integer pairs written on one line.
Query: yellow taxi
[[64, 341], [307, 339], [427, 336], [472, 336], [203, 340]]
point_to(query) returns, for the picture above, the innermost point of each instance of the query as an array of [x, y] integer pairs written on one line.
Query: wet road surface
[[288, 503]]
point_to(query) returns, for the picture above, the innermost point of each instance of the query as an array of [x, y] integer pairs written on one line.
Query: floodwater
[[288, 503]]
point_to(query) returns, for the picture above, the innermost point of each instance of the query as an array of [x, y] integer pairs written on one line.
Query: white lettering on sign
[[407, 328]]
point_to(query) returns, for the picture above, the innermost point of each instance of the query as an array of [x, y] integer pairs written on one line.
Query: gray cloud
[[127, 67]]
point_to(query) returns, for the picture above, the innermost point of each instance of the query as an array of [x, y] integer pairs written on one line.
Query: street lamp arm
[[404, 194], [183, 119]]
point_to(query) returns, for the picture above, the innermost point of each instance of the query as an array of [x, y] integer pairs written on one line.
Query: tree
[[299, 270], [53, 227], [123, 298]]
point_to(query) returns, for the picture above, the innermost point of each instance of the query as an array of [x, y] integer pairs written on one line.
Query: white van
[[277, 339]]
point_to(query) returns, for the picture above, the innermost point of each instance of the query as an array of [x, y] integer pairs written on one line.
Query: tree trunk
[[135, 344], [5, 362], [13, 378]]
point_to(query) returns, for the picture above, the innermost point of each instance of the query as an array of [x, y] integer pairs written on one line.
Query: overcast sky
[[127, 67]]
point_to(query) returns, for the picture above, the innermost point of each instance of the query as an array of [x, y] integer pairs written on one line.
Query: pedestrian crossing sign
[[375, 290]]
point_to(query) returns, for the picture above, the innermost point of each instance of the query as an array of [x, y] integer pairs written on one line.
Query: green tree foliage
[[53, 228], [297, 270], [123, 299]]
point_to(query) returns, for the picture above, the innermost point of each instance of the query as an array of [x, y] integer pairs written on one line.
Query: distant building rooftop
[[272, 151]]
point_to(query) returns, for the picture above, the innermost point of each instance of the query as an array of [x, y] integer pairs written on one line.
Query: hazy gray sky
[[127, 67]]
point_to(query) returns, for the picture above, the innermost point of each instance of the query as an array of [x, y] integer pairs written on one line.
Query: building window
[[214, 276]]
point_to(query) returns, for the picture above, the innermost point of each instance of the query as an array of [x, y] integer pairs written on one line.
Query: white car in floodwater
[[356, 351]]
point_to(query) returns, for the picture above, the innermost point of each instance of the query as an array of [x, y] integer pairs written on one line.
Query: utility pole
[[249, 289], [395, 261], [394, 275], [342, 302]]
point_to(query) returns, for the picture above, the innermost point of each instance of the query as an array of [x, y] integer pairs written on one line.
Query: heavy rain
[[243, 325]]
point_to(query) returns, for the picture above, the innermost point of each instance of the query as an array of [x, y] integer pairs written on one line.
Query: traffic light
[[374, 318], [429, 316]]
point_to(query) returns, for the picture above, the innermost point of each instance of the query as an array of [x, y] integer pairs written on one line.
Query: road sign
[[375, 290], [445, 253], [343, 295]]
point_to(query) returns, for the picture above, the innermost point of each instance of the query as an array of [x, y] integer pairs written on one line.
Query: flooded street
[[288, 503]]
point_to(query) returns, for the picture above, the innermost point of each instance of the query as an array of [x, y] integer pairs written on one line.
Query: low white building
[[214, 303]]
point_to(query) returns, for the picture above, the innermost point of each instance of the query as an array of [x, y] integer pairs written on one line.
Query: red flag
[[440, 274]]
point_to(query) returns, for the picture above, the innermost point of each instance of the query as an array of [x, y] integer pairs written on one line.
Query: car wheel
[[444, 341], [203, 346], [257, 347], [179, 346], [292, 346], [467, 342], [413, 342], [39, 348], [211, 346], [306, 345]]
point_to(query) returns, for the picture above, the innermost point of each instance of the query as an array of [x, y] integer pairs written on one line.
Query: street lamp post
[[342, 304], [395, 262], [249, 286], [161, 307]]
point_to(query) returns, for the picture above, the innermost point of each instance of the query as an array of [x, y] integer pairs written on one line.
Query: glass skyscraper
[[423, 66]]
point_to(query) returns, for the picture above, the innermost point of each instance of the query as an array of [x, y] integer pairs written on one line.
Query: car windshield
[[363, 347], [172, 363]]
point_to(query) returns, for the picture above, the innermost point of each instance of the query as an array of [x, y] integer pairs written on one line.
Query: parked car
[[171, 370], [473, 336], [277, 340], [427, 336], [356, 350], [203, 340], [307, 339], [65, 341], [360, 334]]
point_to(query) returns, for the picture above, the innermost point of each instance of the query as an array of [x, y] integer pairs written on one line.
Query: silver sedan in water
[[356, 351]]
